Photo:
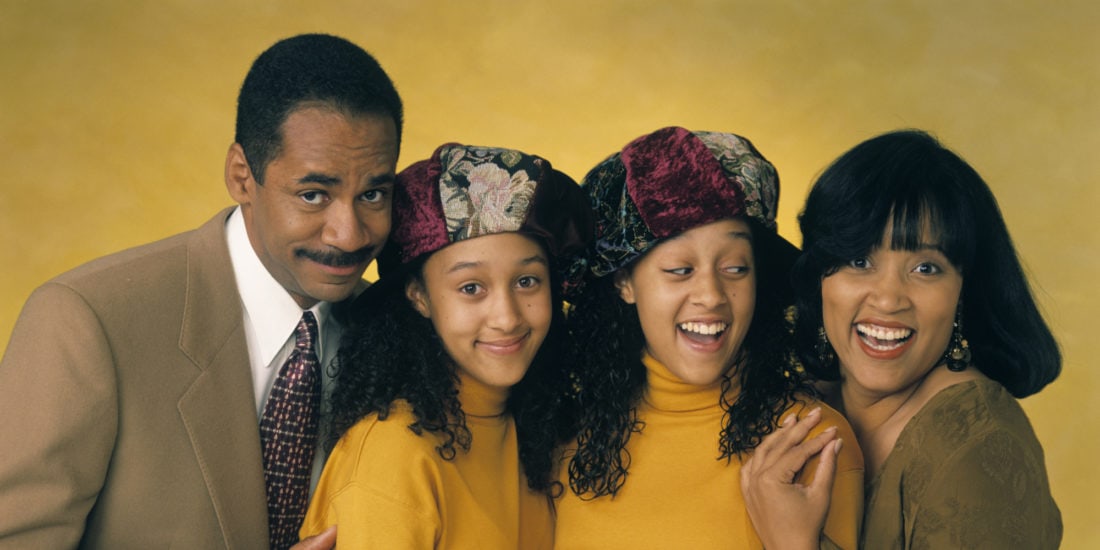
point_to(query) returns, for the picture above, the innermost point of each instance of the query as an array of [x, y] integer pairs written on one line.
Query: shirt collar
[[273, 312]]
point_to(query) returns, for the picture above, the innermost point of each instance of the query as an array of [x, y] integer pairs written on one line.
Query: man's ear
[[238, 175], [418, 297], [625, 285]]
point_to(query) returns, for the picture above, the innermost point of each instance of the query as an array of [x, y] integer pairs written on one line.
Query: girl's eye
[[312, 197], [680, 271], [928, 268], [528, 281], [736, 269], [470, 288]]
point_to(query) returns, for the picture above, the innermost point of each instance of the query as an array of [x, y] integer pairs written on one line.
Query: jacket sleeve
[[58, 420]]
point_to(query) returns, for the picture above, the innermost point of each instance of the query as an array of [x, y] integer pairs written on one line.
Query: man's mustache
[[338, 259]]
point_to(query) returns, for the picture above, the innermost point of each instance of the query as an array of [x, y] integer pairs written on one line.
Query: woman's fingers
[[787, 466], [786, 455], [821, 488], [785, 513], [790, 433]]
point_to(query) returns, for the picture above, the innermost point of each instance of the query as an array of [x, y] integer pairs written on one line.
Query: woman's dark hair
[[389, 351], [908, 180], [610, 378]]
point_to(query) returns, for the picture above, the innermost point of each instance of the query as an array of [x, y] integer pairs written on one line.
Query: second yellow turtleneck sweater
[[679, 494]]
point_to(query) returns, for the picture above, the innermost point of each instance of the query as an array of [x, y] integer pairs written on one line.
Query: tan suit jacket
[[127, 416]]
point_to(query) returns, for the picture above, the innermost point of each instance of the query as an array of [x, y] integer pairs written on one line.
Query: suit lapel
[[219, 409]]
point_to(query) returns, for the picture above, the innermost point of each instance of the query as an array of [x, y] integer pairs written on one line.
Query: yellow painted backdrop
[[115, 118]]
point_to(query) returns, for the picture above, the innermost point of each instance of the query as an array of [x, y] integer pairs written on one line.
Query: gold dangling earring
[[824, 351], [957, 356]]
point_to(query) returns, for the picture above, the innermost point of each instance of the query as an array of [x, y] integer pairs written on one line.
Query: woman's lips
[[882, 341], [703, 336]]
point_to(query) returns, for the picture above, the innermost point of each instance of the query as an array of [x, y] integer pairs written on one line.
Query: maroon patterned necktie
[[288, 433]]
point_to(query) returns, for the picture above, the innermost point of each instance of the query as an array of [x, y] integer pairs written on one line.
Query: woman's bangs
[[928, 218]]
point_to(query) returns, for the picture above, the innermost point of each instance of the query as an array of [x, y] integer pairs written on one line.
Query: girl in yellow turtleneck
[[450, 367], [684, 358]]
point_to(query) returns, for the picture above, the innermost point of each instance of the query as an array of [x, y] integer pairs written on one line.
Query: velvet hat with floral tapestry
[[670, 181], [463, 192]]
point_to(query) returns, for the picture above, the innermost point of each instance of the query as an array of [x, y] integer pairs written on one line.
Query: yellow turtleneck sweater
[[678, 494], [386, 487]]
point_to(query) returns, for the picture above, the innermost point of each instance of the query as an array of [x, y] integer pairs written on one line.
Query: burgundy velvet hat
[[670, 181], [463, 192]]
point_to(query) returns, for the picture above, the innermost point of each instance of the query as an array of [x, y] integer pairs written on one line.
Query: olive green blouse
[[966, 472]]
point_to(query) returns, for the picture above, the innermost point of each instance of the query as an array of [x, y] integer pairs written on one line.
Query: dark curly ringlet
[[308, 68], [389, 351], [671, 174], [924, 192]]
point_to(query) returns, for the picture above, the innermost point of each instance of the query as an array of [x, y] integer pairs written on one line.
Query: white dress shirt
[[271, 317]]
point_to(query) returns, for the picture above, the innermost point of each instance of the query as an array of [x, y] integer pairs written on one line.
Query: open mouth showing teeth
[[703, 331], [883, 339]]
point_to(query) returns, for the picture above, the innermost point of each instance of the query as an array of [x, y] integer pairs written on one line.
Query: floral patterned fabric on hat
[[486, 190], [466, 191], [756, 177]]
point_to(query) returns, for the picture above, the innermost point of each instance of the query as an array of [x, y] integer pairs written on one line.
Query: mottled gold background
[[115, 118]]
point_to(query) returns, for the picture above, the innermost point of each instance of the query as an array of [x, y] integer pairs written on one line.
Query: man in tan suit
[[132, 386]]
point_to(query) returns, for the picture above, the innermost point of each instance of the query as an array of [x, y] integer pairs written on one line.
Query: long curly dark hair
[[610, 378], [389, 351]]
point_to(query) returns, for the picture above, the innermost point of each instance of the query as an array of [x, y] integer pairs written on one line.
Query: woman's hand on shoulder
[[787, 514], [325, 540]]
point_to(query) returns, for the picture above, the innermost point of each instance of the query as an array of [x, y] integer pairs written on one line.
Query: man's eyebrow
[[329, 181], [318, 178]]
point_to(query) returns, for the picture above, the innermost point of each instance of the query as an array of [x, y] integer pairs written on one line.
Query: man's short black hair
[[308, 68]]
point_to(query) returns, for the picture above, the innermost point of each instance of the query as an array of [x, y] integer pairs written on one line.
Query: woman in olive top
[[910, 294], [449, 371], [683, 356]]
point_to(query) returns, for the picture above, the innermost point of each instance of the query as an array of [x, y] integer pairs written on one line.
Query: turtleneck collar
[[665, 392], [480, 400]]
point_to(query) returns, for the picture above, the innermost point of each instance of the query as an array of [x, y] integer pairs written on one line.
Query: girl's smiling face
[[489, 300], [695, 294]]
